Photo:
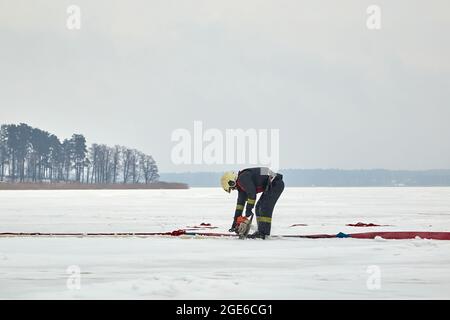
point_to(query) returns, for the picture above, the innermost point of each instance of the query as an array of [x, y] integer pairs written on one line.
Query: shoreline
[[79, 186]]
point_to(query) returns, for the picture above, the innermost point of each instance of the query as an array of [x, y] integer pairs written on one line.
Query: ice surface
[[177, 268]]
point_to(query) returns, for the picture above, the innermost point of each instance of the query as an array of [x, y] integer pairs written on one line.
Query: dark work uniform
[[251, 182]]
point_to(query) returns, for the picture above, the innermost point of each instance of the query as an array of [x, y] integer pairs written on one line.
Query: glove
[[242, 225], [240, 220], [236, 223], [243, 228]]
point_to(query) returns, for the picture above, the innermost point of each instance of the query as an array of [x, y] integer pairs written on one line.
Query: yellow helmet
[[228, 180]]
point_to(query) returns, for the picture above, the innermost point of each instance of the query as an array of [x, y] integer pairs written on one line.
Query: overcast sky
[[342, 96]]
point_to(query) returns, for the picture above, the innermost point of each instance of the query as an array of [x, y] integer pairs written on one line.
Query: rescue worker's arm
[[246, 183], [242, 197]]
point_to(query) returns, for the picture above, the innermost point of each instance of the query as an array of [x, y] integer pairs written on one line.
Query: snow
[[225, 268]]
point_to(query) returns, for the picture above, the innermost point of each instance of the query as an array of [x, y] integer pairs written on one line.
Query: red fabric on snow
[[361, 224]]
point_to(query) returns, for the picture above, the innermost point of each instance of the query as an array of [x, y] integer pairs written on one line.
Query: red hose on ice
[[402, 235]]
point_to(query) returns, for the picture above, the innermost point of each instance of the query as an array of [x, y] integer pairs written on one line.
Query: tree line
[[30, 154]]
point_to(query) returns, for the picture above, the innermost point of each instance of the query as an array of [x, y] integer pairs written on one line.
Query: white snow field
[[223, 268]]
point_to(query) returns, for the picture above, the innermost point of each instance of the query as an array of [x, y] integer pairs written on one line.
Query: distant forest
[[330, 178], [32, 155]]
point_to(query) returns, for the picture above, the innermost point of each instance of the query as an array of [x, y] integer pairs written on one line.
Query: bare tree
[[127, 155], [116, 163], [149, 168], [3, 152]]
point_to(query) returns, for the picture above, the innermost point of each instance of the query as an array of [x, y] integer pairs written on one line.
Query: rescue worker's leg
[[258, 205], [263, 218], [267, 205]]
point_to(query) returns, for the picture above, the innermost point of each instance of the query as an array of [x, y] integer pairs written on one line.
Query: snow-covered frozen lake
[[225, 268]]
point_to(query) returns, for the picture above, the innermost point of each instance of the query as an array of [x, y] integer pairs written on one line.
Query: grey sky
[[342, 96]]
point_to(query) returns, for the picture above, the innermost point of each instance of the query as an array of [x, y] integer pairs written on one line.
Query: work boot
[[257, 235]]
